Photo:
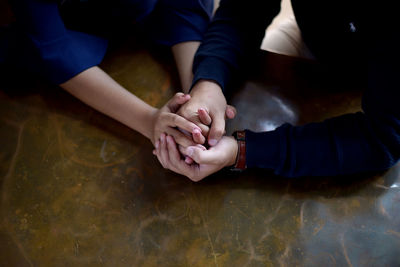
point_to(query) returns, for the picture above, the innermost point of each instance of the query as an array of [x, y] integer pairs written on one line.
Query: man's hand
[[208, 106], [206, 161], [166, 121]]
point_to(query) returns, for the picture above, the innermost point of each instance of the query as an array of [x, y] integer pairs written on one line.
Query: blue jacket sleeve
[[235, 32], [352, 143], [44, 46]]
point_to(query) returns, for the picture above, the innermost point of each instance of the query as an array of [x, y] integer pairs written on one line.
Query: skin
[[208, 107], [166, 121], [98, 90], [206, 161], [183, 55]]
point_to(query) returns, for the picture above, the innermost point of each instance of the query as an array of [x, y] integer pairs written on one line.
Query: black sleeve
[[352, 143], [235, 33]]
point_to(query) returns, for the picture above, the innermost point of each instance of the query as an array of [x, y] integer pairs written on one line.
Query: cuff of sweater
[[212, 68], [262, 149]]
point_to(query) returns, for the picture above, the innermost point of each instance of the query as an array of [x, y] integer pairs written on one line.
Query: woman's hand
[[206, 161], [166, 121]]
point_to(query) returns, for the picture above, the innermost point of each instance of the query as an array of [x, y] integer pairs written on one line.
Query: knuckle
[[185, 142], [167, 116], [218, 132], [175, 118], [198, 156], [182, 141], [185, 110], [204, 130], [196, 178], [161, 119], [181, 110], [179, 94], [193, 178]]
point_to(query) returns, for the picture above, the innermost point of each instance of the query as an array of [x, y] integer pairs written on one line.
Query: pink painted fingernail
[[196, 131], [157, 143], [212, 142]]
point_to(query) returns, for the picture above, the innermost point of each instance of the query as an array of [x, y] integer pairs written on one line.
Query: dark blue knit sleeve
[[352, 143], [44, 46], [235, 32]]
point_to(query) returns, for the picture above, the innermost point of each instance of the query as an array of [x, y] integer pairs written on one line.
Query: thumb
[[183, 150], [230, 112], [177, 100], [217, 129], [201, 156]]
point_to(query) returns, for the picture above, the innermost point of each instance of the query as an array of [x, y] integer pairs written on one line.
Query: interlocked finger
[[180, 138], [174, 120]]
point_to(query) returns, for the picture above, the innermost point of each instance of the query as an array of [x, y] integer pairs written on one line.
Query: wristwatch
[[240, 163]]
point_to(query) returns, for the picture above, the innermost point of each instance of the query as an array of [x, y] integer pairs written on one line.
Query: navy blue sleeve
[[235, 32], [352, 143], [44, 46]]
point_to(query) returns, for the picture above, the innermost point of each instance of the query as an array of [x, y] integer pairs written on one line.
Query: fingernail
[[196, 131], [187, 160], [190, 151], [201, 147], [212, 142], [157, 143]]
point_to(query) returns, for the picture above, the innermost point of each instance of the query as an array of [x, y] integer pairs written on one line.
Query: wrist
[[234, 152], [149, 124], [205, 86]]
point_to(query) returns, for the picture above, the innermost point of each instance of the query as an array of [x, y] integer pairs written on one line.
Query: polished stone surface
[[79, 189]]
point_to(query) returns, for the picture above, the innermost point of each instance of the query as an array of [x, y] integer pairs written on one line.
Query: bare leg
[[184, 54]]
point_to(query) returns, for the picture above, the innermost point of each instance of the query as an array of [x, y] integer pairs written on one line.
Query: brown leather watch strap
[[240, 164]]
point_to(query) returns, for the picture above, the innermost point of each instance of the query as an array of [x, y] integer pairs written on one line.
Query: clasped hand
[[200, 115]]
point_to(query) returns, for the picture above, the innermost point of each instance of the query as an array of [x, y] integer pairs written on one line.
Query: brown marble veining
[[79, 189]]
